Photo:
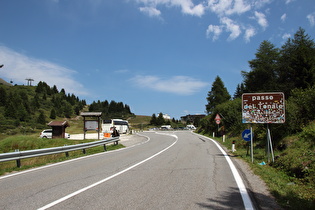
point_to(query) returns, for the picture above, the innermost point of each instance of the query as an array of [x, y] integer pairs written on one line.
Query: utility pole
[[29, 82]]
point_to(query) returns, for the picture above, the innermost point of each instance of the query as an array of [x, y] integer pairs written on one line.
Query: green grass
[[291, 192], [139, 122], [10, 144]]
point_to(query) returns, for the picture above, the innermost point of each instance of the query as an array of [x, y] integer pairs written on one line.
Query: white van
[[191, 127]]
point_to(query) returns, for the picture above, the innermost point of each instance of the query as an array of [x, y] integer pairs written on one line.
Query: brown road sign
[[263, 108]]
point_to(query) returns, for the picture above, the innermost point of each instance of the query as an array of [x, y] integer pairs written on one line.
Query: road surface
[[170, 170]]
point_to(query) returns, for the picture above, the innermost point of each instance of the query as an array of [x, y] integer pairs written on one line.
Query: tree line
[[111, 110], [289, 69], [160, 120], [32, 107]]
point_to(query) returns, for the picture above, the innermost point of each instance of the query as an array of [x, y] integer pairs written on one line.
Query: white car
[[48, 134]]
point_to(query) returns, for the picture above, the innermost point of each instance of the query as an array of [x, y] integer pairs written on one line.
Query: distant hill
[[25, 109], [28, 109], [4, 82], [139, 119]]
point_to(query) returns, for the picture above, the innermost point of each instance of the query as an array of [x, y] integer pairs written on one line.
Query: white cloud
[[286, 36], [215, 30], [261, 19], [228, 25], [181, 85], [311, 19], [232, 27], [19, 67], [187, 6], [284, 17], [224, 10], [228, 7], [289, 1], [249, 32], [219, 7], [260, 3], [151, 11]]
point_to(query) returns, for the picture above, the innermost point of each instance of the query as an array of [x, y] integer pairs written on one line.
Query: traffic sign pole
[[269, 143], [217, 121], [247, 135], [251, 144]]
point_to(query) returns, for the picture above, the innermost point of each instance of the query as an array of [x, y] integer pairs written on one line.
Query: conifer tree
[[153, 120], [54, 90], [160, 119], [217, 95], [239, 91], [67, 109], [41, 119], [297, 63], [3, 96], [9, 110], [263, 74], [52, 114]]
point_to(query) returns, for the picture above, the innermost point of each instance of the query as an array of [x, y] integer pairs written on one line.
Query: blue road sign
[[246, 135]]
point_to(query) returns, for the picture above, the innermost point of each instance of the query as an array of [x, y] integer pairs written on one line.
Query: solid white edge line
[[106, 179], [243, 191]]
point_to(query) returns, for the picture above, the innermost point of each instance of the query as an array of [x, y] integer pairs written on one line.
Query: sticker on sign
[[263, 108]]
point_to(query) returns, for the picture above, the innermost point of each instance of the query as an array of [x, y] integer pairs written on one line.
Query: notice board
[[91, 125], [263, 108]]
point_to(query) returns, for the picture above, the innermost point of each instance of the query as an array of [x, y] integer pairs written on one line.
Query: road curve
[[173, 170]]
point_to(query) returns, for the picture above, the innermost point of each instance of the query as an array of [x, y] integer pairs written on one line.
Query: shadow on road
[[233, 200]]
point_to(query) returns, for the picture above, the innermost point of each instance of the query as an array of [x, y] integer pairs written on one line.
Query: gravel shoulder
[[257, 188]]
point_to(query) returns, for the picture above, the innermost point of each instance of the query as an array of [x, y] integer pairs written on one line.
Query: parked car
[[48, 134]]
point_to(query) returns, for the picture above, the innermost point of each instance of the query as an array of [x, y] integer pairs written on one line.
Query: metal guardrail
[[18, 155]]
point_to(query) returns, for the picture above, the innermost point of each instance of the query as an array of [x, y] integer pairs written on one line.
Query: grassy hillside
[[28, 109], [139, 121]]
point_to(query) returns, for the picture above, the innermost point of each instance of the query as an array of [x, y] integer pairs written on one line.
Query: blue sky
[[154, 55]]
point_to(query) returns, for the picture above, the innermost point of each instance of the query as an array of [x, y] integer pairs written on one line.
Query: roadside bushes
[[298, 160], [300, 109], [308, 133], [231, 118]]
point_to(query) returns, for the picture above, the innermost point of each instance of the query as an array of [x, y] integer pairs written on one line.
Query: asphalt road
[[172, 170]]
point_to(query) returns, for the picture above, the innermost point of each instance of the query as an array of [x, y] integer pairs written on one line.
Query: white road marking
[[245, 196], [71, 160], [106, 179]]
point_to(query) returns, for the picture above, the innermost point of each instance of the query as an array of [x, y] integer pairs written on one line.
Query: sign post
[[263, 108], [247, 135], [217, 120], [251, 144]]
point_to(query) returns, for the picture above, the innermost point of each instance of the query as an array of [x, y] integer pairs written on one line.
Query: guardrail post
[[83, 151], [67, 153], [105, 149], [18, 161]]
